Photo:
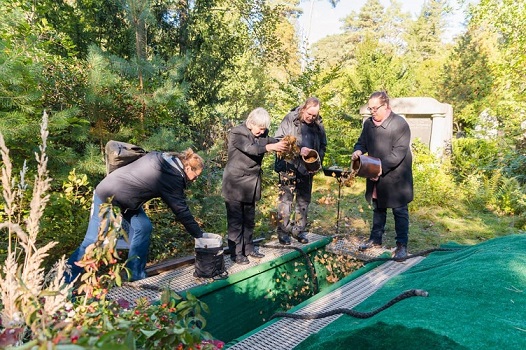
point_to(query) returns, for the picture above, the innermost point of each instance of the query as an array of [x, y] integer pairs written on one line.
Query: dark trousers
[[241, 218], [301, 187], [401, 219]]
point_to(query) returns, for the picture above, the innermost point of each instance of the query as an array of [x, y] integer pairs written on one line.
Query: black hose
[[356, 314]]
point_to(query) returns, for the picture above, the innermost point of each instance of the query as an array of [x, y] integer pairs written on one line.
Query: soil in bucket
[[312, 161]]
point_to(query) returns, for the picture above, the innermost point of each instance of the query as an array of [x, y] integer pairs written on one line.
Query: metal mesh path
[[348, 245], [286, 333], [182, 278]]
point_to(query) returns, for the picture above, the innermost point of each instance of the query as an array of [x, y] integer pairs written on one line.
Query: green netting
[[477, 300]]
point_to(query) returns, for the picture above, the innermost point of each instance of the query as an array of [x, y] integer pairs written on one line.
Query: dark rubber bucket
[[366, 166], [312, 161]]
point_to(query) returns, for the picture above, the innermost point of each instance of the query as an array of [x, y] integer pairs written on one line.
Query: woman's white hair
[[259, 117]]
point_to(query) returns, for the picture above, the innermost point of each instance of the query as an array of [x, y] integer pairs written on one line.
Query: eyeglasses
[[375, 109], [195, 173]]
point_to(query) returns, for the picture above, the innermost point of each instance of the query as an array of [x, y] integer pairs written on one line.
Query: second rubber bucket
[[366, 166]]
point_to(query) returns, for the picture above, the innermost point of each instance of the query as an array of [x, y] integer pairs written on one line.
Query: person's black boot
[[256, 255], [302, 238], [400, 253], [242, 260], [284, 239], [300, 235]]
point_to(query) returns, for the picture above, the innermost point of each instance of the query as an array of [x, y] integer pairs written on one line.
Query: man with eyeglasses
[[386, 135], [295, 180]]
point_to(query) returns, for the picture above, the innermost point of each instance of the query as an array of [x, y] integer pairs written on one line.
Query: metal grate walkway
[[182, 278], [287, 333], [348, 245]]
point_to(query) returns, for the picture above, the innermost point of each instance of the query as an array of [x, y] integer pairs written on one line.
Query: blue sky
[[325, 20]]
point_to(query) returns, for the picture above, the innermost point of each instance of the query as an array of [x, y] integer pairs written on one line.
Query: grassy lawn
[[429, 227]]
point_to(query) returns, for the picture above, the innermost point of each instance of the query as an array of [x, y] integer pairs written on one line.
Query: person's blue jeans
[[139, 229], [401, 219]]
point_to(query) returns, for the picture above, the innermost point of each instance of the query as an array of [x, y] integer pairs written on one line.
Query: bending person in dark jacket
[[155, 175], [247, 144], [305, 124], [386, 135]]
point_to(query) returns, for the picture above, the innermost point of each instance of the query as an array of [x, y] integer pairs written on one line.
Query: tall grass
[[30, 297], [36, 306]]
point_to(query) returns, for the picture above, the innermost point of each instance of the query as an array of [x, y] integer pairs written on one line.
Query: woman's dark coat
[[242, 174], [391, 143], [146, 178]]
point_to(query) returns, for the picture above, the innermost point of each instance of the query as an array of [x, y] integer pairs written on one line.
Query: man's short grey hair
[[259, 117]]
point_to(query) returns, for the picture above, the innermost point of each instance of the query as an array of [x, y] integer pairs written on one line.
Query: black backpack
[[119, 154]]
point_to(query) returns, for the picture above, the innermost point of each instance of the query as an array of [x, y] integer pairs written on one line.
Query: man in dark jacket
[[247, 144], [155, 175], [386, 135], [305, 124]]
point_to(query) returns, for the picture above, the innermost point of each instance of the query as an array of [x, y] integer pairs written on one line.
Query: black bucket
[[366, 166], [312, 161]]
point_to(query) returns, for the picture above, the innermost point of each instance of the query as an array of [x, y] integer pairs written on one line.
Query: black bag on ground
[[209, 263], [209, 257], [119, 154]]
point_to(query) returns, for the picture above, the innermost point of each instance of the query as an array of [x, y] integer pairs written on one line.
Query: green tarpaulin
[[477, 300]]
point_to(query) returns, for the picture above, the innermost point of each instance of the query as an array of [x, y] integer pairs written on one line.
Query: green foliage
[[484, 172], [433, 183], [472, 156], [66, 216], [467, 79], [425, 34], [514, 162], [172, 323], [342, 135]]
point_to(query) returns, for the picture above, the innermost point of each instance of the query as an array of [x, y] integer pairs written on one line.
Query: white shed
[[430, 121]]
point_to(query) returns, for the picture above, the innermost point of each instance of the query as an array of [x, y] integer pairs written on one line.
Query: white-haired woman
[[247, 144]]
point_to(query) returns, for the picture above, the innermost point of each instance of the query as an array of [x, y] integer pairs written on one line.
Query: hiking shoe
[[285, 240], [302, 238], [400, 252], [256, 255], [369, 244], [242, 260]]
